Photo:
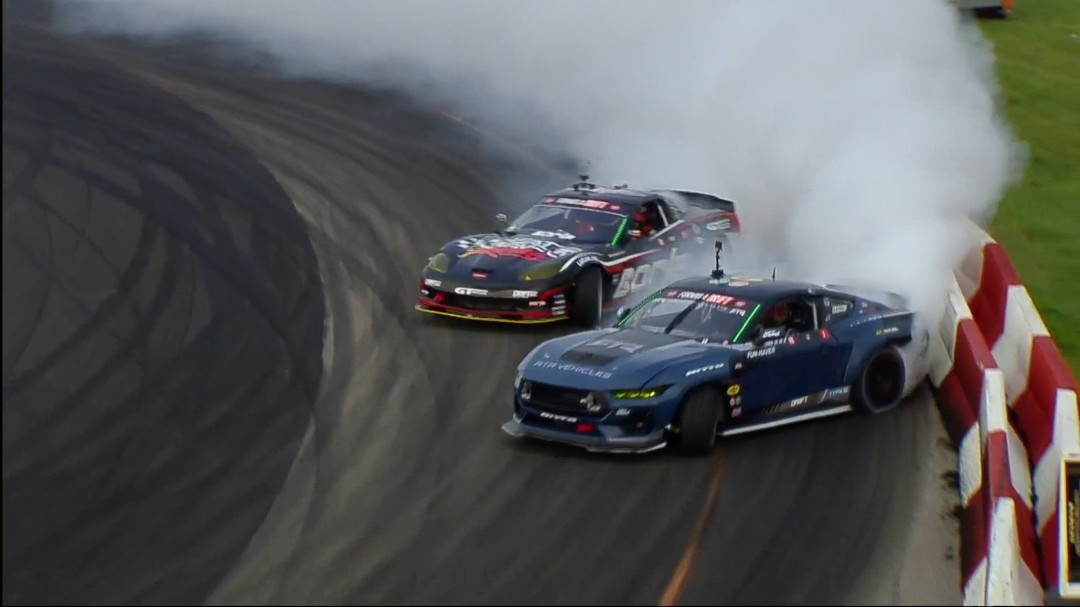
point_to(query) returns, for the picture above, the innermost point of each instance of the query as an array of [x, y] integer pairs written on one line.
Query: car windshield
[[697, 315], [583, 225]]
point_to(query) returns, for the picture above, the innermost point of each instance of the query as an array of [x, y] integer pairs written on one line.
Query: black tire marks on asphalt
[[392, 483], [168, 310]]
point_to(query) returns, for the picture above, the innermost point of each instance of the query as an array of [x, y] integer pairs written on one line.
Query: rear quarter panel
[[869, 332]]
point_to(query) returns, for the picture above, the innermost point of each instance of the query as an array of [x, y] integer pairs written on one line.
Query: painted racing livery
[[574, 254], [716, 356]]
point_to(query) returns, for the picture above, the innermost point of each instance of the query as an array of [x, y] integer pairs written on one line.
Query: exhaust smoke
[[857, 138]]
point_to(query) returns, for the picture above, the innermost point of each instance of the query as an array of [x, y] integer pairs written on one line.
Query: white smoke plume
[[857, 136]]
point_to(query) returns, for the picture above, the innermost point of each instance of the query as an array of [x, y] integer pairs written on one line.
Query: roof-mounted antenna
[[774, 273], [584, 183], [718, 272]]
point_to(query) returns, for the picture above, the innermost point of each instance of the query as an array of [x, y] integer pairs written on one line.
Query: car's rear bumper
[[602, 443]]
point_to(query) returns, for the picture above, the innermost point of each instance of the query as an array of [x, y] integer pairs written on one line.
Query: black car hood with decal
[[505, 258]]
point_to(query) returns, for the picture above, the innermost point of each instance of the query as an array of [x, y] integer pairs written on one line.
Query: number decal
[[646, 275]]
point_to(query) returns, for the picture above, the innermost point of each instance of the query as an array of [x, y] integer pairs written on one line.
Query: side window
[[835, 308], [670, 211], [790, 315], [773, 324], [804, 314], [647, 220], [655, 217]]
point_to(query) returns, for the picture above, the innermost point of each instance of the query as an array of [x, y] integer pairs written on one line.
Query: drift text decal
[[644, 275], [713, 298], [589, 203]]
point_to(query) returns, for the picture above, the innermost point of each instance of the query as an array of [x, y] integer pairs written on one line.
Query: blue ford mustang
[[715, 356]]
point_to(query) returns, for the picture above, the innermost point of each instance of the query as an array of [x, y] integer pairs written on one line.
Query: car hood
[[615, 358], [506, 257]]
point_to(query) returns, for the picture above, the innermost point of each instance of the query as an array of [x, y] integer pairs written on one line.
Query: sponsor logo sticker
[[614, 344], [470, 291], [559, 418], [1069, 527], [704, 369]]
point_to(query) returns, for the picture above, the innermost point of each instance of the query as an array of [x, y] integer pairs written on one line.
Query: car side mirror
[[622, 313]]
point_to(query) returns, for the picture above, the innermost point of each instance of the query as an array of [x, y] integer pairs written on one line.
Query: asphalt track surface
[[216, 389]]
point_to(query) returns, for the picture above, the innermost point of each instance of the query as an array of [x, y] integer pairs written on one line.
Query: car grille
[[486, 304], [564, 401]]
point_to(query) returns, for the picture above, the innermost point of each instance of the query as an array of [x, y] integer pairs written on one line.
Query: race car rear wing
[[705, 201]]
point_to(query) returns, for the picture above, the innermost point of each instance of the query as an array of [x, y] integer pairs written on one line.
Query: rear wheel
[[881, 384], [698, 421], [588, 298]]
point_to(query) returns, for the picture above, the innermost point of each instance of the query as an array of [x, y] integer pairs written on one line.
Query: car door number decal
[[635, 278]]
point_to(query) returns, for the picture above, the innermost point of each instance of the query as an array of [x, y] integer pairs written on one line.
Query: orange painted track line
[[679, 579]]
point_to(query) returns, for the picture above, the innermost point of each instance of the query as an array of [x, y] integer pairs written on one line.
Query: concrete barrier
[[1009, 402]]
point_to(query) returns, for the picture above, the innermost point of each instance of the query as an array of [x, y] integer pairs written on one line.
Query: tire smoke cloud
[[858, 138]]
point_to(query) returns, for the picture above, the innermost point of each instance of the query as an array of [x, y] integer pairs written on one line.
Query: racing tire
[[880, 386], [588, 298], [699, 419]]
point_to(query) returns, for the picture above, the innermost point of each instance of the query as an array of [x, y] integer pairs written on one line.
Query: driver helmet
[[778, 315], [641, 219], [583, 228]]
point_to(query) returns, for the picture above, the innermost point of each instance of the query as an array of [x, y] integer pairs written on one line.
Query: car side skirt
[[775, 423]]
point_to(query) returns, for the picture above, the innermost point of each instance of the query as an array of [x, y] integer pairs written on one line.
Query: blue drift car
[[715, 356]]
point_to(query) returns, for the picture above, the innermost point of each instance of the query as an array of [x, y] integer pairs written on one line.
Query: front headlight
[[543, 272], [440, 262], [638, 394]]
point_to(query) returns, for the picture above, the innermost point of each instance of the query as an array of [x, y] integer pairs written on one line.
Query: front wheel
[[588, 298], [881, 384], [698, 421]]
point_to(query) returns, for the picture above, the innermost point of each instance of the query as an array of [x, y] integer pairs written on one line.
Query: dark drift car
[[707, 357], [574, 254]]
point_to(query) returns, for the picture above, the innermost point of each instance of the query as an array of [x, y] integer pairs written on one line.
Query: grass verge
[[1038, 58]]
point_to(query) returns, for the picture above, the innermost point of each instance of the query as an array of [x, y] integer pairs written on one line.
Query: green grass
[[1038, 221]]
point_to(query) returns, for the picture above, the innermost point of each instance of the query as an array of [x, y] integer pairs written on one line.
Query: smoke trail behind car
[[857, 137]]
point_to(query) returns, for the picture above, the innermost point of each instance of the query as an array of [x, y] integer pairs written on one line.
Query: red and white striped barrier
[[996, 568], [1009, 401]]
